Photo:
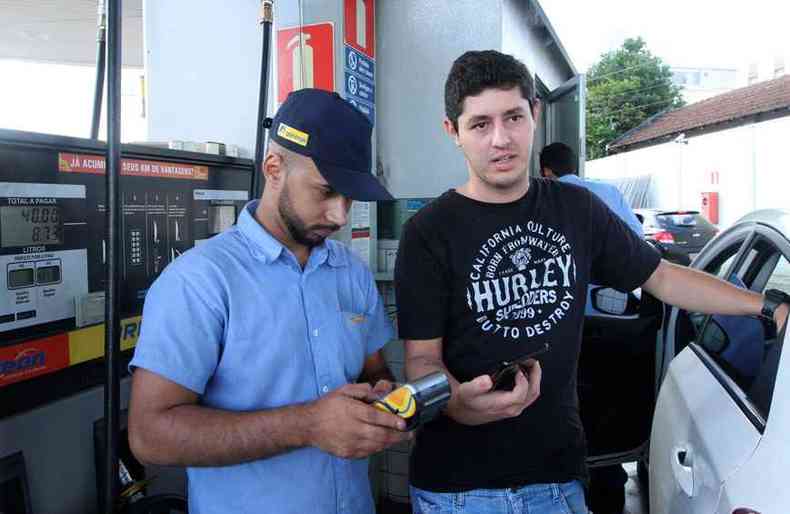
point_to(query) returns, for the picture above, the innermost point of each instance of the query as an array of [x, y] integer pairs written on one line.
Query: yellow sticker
[[293, 135], [88, 343]]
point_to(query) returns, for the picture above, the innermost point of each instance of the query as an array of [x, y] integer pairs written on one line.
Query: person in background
[[558, 161]]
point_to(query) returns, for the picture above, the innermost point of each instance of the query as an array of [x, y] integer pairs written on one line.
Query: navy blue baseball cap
[[321, 125]]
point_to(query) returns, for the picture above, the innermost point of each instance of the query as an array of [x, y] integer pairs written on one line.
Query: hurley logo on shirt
[[522, 281]]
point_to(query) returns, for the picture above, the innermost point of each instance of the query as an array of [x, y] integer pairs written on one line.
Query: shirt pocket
[[354, 328]]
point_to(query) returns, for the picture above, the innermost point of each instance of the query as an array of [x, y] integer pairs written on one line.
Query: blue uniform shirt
[[613, 199], [237, 321]]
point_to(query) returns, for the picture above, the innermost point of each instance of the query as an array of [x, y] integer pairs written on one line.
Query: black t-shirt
[[496, 281]]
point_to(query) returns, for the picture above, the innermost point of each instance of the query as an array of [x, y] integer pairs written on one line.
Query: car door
[[705, 425], [616, 378], [760, 485]]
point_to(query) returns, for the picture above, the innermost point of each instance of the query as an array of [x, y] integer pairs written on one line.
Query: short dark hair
[[476, 71], [559, 158]]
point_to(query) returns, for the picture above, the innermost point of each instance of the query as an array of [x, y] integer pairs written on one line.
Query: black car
[[681, 233]]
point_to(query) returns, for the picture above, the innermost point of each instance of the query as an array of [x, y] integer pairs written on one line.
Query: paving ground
[[636, 500]]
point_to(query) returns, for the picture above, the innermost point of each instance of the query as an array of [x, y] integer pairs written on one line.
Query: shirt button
[[315, 332], [325, 389]]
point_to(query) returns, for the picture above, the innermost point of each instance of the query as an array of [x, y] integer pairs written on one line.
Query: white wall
[[202, 61], [751, 163]]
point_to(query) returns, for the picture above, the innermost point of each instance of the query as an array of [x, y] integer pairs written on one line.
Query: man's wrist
[[780, 315], [772, 300], [304, 435]]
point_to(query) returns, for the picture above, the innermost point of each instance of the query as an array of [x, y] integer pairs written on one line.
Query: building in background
[[767, 67], [702, 83], [725, 156]]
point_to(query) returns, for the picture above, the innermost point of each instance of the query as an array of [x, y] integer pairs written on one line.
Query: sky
[[688, 33]]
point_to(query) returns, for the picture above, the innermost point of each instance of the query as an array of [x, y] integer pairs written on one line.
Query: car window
[[780, 278], [746, 348], [678, 220], [719, 267]]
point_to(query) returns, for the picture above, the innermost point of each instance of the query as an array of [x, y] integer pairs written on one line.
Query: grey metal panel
[[417, 41], [566, 117], [57, 442], [526, 35], [305, 12], [57, 438]]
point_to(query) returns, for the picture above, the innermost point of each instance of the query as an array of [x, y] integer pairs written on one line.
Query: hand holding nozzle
[[417, 402], [344, 423]]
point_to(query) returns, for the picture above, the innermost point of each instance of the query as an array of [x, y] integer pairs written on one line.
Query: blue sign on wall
[[360, 82]]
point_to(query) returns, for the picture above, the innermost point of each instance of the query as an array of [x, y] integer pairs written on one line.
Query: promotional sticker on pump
[[96, 165], [34, 358]]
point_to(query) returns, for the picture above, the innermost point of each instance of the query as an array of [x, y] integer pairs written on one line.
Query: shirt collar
[[570, 178], [266, 246]]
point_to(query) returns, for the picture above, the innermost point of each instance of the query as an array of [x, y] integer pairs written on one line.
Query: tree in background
[[624, 88]]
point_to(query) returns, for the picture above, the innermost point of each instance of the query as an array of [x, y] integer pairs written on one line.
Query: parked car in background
[[682, 234], [718, 442]]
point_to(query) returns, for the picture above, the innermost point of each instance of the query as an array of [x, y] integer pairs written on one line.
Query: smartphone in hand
[[504, 377]]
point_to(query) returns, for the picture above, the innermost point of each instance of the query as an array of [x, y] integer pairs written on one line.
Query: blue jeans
[[567, 498]]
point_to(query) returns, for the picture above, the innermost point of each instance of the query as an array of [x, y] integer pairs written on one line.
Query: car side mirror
[[613, 302]]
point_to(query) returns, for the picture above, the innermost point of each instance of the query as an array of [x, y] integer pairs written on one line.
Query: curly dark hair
[[476, 71]]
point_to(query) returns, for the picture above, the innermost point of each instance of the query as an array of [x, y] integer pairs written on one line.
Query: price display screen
[[20, 278], [24, 225]]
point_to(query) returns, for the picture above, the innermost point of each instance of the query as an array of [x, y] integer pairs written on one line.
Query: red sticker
[[305, 59], [360, 26], [34, 358]]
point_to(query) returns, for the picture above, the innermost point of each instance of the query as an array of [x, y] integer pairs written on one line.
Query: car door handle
[[683, 469]]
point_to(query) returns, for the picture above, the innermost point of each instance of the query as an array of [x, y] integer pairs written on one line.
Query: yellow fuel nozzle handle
[[400, 402]]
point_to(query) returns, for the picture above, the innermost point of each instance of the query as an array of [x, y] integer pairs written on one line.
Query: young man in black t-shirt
[[491, 271]]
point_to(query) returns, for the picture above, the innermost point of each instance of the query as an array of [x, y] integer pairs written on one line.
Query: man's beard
[[298, 230]]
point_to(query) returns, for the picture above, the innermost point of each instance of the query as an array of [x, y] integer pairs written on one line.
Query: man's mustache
[[333, 228]]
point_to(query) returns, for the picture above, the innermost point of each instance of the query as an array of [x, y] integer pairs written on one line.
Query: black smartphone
[[504, 377]]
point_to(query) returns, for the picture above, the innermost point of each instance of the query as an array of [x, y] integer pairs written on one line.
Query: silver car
[[719, 438]]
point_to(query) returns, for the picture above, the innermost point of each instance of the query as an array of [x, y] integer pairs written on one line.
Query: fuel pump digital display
[[23, 225], [21, 278]]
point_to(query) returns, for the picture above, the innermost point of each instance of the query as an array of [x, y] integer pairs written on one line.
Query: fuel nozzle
[[417, 402]]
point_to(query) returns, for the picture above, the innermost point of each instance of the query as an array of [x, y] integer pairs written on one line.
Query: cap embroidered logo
[[293, 135]]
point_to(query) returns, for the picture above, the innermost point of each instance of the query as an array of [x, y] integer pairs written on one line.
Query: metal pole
[[265, 19], [101, 47], [112, 293]]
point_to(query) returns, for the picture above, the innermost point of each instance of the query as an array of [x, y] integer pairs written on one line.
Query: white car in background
[[720, 438]]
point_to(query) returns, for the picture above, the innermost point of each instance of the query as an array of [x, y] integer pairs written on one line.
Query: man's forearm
[[419, 366], [696, 291], [193, 435]]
